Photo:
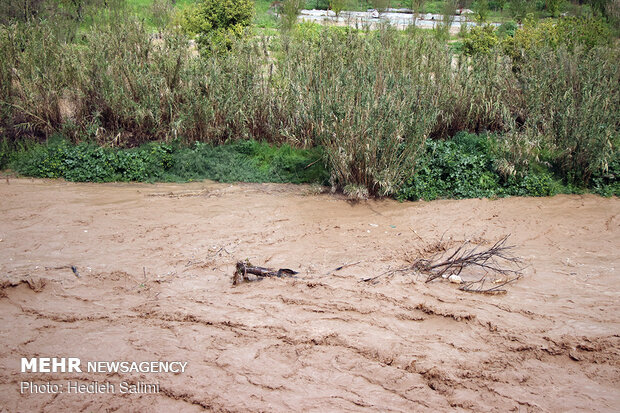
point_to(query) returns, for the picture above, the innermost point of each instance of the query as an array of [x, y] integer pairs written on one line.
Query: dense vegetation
[[247, 161], [372, 113]]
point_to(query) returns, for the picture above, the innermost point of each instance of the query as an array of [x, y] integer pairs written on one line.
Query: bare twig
[[478, 286], [343, 266], [387, 274], [416, 234]]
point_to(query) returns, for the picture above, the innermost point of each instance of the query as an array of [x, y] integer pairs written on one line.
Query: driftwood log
[[243, 269]]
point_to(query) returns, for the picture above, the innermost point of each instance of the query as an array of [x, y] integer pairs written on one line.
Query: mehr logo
[[51, 365], [73, 365]]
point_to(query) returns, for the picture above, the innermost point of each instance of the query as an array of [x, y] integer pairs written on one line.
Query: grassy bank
[[246, 161], [464, 167]]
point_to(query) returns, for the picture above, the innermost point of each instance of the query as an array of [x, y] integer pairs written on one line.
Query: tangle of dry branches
[[488, 259], [500, 267]]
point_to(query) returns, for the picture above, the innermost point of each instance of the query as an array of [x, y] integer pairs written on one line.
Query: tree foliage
[[218, 23]]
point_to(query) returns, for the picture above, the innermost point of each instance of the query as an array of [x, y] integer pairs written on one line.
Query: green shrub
[[6, 153], [507, 29], [553, 7], [465, 167], [519, 9], [607, 182], [480, 40], [541, 184], [318, 4], [248, 161], [458, 168], [218, 23], [497, 5], [87, 162], [481, 9], [568, 32]]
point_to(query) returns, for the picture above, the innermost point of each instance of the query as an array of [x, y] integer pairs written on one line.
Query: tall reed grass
[[371, 99]]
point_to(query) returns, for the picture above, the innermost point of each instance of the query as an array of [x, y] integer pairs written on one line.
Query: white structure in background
[[399, 18]]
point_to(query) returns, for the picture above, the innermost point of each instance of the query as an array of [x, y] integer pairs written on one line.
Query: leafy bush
[[507, 29], [553, 7], [459, 168], [7, 153], [248, 161], [481, 9], [465, 168], [318, 4], [519, 9], [497, 4], [607, 182], [568, 32], [480, 40], [534, 184], [218, 23], [87, 162]]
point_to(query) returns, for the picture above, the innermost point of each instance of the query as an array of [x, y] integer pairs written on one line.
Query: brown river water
[[156, 263]]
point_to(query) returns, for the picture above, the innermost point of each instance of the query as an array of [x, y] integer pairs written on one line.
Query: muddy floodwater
[[155, 265]]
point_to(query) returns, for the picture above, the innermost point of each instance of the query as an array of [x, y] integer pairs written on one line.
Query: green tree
[[553, 7], [218, 23], [448, 11], [599, 5], [290, 11], [497, 4], [519, 9], [482, 11], [480, 40], [337, 6], [418, 5]]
